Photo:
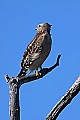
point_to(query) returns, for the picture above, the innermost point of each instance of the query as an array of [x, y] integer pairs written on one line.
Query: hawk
[[37, 51]]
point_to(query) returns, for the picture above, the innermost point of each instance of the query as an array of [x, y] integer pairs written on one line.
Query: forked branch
[[33, 77], [14, 85]]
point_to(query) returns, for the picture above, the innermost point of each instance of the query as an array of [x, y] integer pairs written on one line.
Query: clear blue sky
[[18, 19]]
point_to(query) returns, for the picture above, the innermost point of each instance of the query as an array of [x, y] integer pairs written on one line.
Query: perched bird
[[37, 51]]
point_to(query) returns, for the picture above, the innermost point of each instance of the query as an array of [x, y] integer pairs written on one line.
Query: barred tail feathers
[[22, 72]]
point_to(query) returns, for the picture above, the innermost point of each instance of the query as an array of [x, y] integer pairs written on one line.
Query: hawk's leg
[[38, 73], [40, 67]]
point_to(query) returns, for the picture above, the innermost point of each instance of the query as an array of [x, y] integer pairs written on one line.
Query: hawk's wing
[[33, 50]]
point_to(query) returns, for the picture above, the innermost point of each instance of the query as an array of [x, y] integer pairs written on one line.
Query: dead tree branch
[[14, 98], [16, 82], [43, 72], [65, 100]]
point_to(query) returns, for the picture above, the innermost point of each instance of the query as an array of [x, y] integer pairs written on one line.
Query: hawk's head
[[43, 27]]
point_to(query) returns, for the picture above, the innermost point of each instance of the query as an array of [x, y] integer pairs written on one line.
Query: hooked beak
[[36, 28], [50, 25]]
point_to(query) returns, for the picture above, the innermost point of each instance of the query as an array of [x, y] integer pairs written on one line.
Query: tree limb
[[16, 82], [65, 100], [32, 77], [43, 72], [14, 98]]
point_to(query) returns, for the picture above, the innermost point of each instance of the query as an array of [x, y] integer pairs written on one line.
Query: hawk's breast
[[46, 48]]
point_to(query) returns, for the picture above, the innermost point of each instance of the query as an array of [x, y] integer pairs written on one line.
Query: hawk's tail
[[22, 72]]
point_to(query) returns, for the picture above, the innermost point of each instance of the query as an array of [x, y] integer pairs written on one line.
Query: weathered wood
[[14, 98]]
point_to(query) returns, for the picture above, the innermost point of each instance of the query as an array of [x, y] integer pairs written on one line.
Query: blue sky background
[[18, 19]]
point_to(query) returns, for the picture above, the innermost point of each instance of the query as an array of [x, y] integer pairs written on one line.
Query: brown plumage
[[38, 50]]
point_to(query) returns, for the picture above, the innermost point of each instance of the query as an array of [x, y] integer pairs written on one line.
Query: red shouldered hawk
[[37, 51]]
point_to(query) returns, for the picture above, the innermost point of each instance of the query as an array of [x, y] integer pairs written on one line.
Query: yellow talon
[[38, 73]]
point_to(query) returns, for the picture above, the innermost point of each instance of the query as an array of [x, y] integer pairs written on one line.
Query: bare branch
[[65, 100], [14, 98], [32, 77], [43, 72], [14, 85]]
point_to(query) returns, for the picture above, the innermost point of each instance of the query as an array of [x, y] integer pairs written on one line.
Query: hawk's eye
[[39, 26]]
